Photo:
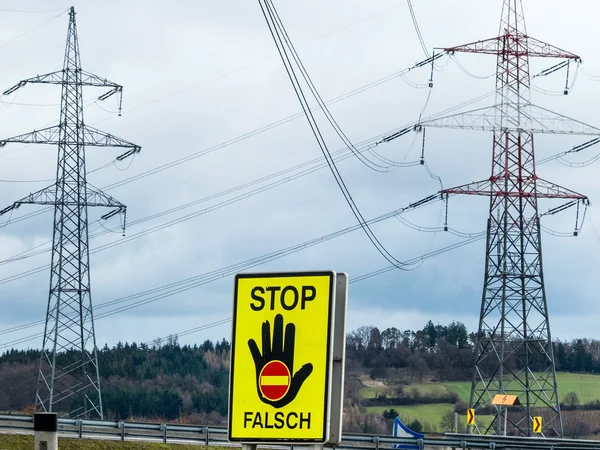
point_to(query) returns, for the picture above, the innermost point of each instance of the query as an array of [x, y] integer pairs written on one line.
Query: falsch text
[[278, 420]]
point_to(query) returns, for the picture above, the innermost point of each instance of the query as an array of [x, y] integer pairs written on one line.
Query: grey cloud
[[155, 51]]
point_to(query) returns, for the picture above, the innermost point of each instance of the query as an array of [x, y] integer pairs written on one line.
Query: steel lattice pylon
[[68, 378], [514, 345]]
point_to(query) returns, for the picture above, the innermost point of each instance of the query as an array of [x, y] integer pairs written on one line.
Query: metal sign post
[[505, 400]]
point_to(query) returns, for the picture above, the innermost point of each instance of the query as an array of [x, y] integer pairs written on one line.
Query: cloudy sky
[[205, 95]]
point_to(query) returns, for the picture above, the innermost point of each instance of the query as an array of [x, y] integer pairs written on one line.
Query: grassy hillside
[[423, 413], [19, 442], [586, 386]]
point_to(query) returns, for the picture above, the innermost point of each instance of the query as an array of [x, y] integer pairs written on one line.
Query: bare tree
[[571, 399]]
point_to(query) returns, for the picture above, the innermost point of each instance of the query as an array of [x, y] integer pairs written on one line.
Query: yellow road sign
[[281, 357], [470, 416], [537, 424]]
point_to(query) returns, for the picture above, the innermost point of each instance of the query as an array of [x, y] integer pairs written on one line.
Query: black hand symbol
[[279, 351]]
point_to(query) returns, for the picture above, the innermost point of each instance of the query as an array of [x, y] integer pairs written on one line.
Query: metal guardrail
[[217, 436]]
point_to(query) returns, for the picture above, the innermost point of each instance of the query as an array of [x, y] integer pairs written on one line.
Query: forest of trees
[[170, 381], [446, 352], [159, 381]]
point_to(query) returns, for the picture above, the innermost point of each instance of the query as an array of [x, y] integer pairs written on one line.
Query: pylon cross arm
[[544, 189], [48, 135], [91, 137], [48, 196], [534, 119], [528, 46], [97, 138], [86, 79]]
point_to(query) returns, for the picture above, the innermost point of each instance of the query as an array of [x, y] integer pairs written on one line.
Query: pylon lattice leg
[[68, 377], [514, 345], [514, 353], [69, 355]]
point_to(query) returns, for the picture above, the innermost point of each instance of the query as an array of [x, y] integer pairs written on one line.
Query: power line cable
[[274, 255], [255, 132], [158, 341], [173, 288], [221, 145], [417, 29], [24, 255], [194, 86], [21, 256], [467, 72], [409, 164], [281, 39], [31, 11], [220, 275], [301, 170], [5, 43], [323, 106]]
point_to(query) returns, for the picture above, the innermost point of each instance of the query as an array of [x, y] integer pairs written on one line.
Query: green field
[[426, 414], [587, 388], [423, 413], [371, 392], [423, 388], [22, 442], [462, 389]]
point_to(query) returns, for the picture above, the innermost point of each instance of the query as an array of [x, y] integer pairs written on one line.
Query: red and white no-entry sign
[[274, 380]]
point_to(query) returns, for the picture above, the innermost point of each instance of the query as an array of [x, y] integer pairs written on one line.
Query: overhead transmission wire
[[306, 170], [257, 261], [590, 75], [196, 85], [548, 71], [594, 229], [579, 164], [417, 29], [280, 38], [396, 213], [568, 88], [392, 266], [221, 145], [578, 148], [24, 254], [181, 91], [47, 209], [277, 254], [204, 327], [226, 143], [301, 170], [390, 135], [203, 279], [30, 11], [31, 30], [322, 105], [467, 72], [561, 208]]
